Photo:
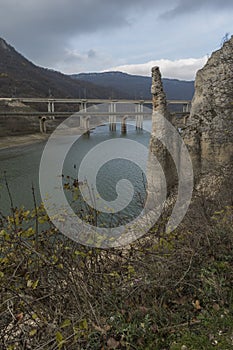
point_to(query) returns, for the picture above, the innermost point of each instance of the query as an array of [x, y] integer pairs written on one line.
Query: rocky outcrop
[[208, 135], [161, 169], [159, 140], [158, 94], [209, 131]]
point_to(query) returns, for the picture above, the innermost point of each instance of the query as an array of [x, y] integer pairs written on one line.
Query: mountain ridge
[[137, 86], [19, 77]]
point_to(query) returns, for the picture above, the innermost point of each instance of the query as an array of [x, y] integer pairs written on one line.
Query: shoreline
[[21, 141], [10, 143]]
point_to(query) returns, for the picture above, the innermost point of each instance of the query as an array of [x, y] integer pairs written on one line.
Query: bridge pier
[[51, 108], [84, 106], [139, 117], [85, 123], [112, 123], [112, 118], [124, 124], [42, 121], [186, 107]]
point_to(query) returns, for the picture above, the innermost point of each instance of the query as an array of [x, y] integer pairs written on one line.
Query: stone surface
[[208, 134], [160, 165], [209, 131], [158, 94]]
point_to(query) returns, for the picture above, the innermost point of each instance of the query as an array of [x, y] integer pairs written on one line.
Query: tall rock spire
[[158, 94]]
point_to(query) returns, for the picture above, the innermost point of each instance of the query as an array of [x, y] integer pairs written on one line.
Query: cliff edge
[[209, 131], [208, 135]]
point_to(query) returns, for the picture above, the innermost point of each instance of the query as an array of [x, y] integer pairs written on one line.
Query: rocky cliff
[[209, 131], [161, 142], [208, 135]]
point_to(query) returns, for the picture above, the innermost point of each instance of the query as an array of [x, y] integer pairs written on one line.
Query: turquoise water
[[21, 166]]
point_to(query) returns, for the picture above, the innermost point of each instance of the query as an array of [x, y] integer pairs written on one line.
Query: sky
[[132, 36]]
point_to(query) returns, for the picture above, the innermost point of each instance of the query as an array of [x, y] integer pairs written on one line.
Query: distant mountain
[[21, 78], [135, 86]]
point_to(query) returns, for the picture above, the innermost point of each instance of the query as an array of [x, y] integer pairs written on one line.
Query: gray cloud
[[188, 6], [91, 53], [180, 69], [74, 61], [62, 34], [42, 29]]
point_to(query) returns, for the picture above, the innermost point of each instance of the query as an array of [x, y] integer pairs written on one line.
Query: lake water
[[22, 168]]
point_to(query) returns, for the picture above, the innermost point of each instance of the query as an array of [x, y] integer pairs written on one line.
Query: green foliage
[[166, 291]]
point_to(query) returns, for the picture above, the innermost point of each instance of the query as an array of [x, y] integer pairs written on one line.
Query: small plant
[[165, 291], [225, 38]]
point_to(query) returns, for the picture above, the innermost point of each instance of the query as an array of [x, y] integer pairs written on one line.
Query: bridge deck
[[83, 114], [79, 101]]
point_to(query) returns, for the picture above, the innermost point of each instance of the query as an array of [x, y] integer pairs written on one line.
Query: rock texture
[[162, 137], [160, 164], [208, 135], [158, 94], [209, 131]]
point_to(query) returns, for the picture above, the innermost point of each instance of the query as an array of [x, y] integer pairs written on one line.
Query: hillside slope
[[135, 86], [21, 78]]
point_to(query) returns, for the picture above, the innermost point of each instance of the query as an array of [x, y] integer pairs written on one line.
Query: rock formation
[[162, 137], [158, 94], [209, 131], [161, 172]]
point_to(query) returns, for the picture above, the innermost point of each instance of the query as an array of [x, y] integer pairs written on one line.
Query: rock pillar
[[161, 140], [124, 124]]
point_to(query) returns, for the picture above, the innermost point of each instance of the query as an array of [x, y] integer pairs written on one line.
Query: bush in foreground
[[164, 292]]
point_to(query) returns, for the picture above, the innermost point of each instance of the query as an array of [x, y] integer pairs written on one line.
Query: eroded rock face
[[209, 131], [160, 163], [158, 94]]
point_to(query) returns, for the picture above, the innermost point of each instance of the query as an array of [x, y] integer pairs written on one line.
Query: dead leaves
[[104, 329], [112, 343], [197, 305]]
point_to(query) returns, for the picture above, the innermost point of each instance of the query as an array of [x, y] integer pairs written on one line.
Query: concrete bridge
[[83, 103], [86, 110]]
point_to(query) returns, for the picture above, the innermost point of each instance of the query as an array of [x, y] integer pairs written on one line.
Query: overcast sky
[[75, 36]]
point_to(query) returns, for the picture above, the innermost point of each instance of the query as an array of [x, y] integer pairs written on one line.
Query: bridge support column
[[186, 107], [84, 107], [51, 108], [112, 118], [81, 122], [85, 123], [124, 124], [139, 117], [42, 121], [112, 123]]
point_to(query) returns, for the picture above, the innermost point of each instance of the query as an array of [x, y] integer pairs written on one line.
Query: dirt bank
[[8, 142]]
